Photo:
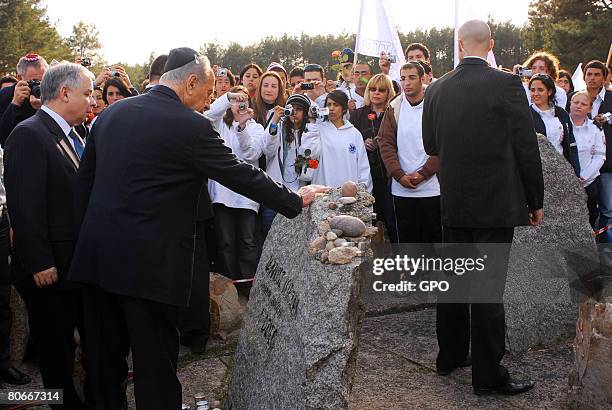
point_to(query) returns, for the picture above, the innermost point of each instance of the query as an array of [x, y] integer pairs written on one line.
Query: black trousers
[[592, 191], [418, 220], [6, 317], [113, 325], [237, 240], [54, 315], [486, 324], [194, 320]]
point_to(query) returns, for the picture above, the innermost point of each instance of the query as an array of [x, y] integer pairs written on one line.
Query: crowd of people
[[299, 126]]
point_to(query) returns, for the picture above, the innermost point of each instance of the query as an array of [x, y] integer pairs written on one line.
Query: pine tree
[[24, 28]]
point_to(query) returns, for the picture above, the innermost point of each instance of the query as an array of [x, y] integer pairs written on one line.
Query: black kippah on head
[[178, 57]]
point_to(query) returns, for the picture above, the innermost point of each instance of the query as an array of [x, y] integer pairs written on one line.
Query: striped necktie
[[78, 144]]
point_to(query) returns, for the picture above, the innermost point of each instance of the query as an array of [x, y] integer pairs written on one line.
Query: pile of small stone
[[342, 237]]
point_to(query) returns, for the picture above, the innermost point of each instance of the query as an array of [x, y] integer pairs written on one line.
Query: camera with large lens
[[288, 111], [242, 107], [34, 88]]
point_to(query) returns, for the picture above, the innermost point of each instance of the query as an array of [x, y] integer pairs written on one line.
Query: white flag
[[578, 79], [377, 33], [464, 13]]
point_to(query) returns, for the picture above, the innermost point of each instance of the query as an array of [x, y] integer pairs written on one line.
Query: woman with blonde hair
[[367, 119]]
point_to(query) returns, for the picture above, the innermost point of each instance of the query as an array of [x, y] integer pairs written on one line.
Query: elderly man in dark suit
[[41, 160], [476, 119], [138, 189]]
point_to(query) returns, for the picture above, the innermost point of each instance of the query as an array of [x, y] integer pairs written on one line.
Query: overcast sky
[[131, 29]]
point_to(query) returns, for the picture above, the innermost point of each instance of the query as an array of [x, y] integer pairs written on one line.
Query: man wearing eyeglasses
[[362, 73]]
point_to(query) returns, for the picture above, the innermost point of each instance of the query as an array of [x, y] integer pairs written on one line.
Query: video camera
[[317, 112]]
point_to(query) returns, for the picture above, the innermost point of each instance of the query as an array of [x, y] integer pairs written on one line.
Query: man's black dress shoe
[[11, 375], [509, 388], [445, 371]]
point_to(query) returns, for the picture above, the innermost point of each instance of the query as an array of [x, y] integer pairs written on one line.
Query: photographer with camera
[[21, 100], [541, 62], [289, 127], [115, 89], [115, 72], [313, 85], [224, 80], [235, 214]]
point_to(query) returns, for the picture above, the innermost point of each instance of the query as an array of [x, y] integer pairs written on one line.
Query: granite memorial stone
[[298, 345]]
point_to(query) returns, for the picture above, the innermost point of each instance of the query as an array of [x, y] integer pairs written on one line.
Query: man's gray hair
[[24, 64], [61, 75], [200, 67]]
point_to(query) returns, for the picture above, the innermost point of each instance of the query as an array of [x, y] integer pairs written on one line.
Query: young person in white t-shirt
[[414, 185]]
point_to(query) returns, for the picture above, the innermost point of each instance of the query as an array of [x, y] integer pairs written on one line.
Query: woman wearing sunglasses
[[378, 94]]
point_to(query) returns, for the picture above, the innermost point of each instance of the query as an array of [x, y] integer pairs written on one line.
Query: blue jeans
[[267, 217], [605, 205]]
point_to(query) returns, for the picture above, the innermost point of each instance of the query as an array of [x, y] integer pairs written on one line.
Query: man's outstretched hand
[[535, 217], [308, 193]]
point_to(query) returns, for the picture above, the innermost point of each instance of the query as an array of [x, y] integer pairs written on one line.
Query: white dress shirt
[[66, 128], [560, 95], [591, 146], [597, 102], [554, 128]]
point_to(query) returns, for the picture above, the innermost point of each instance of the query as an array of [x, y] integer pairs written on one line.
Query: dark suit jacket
[[11, 114], [39, 175], [606, 106], [139, 182], [477, 120], [570, 149]]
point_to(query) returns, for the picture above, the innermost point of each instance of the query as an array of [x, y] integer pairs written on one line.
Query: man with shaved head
[[476, 120]]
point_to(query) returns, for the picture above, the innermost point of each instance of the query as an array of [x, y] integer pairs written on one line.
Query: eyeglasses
[[374, 89]]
